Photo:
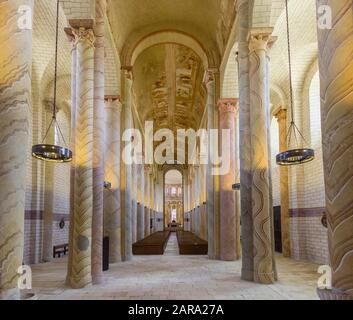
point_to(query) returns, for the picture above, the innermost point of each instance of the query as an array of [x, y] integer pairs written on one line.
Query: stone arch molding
[[167, 37]]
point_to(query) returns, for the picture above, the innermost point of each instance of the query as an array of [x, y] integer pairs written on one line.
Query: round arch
[[165, 169], [167, 37]]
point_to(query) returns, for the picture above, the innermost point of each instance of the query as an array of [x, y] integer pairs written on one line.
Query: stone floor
[[178, 277]]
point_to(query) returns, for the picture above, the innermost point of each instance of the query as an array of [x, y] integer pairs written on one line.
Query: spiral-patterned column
[[98, 143], [15, 105], [112, 210], [81, 240], [263, 255], [336, 69]]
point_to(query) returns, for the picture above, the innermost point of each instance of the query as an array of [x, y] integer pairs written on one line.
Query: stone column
[[81, 241], [210, 82], [281, 116], [126, 170], [112, 210], [15, 105], [140, 205], [229, 237], [147, 195], [247, 271], [134, 188], [98, 144], [263, 258], [48, 194], [74, 108], [336, 69]]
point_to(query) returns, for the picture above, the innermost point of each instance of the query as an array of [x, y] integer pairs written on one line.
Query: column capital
[[209, 75], [228, 105], [128, 72], [281, 114], [259, 38], [80, 34]]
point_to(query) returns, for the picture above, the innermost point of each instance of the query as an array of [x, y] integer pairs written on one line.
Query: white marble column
[[126, 169], [81, 241], [112, 209], [261, 203], [15, 106], [336, 69], [98, 143]]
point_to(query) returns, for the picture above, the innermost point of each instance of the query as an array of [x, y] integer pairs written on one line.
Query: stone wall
[[308, 236]]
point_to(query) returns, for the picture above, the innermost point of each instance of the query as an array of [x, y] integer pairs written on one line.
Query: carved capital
[[259, 39], [228, 105], [80, 34], [209, 76], [128, 72], [281, 115]]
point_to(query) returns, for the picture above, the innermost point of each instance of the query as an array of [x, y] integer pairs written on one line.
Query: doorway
[[173, 200], [277, 228]]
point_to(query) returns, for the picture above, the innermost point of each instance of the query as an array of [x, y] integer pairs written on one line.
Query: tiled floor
[[172, 276]]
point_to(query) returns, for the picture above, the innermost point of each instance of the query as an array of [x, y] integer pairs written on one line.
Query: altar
[[174, 226]]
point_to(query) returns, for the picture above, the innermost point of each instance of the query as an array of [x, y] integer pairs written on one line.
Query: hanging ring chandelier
[[52, 152], [297, 155]]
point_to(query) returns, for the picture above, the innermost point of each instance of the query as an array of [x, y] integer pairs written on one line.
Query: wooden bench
[[190, 244], [60, 249], [154, 244]]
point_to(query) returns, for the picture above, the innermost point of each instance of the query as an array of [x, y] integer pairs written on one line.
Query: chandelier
[[297, 155], [52, 152]]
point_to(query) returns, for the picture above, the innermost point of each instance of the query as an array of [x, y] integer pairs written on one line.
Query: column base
[[264, 278], [247, 274], [326, 294], [98, 279], [115, 260], [80, 283]]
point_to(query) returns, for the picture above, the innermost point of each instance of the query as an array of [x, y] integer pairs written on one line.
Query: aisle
[[172, 248]]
